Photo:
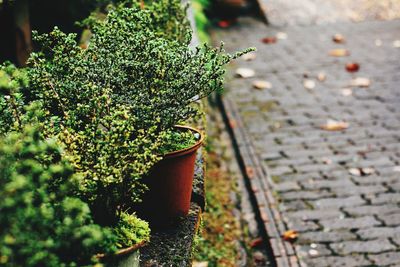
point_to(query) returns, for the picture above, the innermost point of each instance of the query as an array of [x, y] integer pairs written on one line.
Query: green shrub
[[40, 224], [101, 138], [113, 103]]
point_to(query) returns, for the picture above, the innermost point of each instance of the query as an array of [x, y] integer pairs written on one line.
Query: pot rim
[[187, 150], [124, 251]]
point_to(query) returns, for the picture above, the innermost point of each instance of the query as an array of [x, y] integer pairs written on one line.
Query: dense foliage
[[40, 225], [106, 113]]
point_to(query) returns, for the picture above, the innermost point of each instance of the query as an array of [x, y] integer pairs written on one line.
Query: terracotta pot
[[127, 257], [170, 185]]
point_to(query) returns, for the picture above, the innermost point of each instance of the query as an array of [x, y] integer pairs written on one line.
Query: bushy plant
[[165, 18], [101, 138], [158, 78], [113, 103], [12, 81], [40, 224]]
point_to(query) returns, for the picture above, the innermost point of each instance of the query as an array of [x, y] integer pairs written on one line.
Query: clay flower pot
[[123, 257], [170, 185]]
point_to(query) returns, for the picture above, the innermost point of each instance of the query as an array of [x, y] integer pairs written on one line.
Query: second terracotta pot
[[170, 185]]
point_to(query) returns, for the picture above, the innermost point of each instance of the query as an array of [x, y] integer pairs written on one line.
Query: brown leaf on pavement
[[290, 236], [245, 73], [396, 44], [332, 125], [250, 172], [346, 92], [361, 171], [256, 242], [281, 35], [269, 40], [260, 84], [249, 57], [232, 123], [340, 52], [226, 23], [367, 171], [352, 67], [338, 38], [360, 82], [321, 76], [355, 171], [309, 84]]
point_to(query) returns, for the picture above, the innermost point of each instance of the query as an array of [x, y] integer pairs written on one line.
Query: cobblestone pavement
[[344, 218]]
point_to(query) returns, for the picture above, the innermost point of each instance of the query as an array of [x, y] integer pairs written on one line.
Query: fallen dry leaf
[[281, 35], [339, 52], [250, 172], [226, 23], [396, 44], [260, 84], [360, 82], [256, 242], [200, 264], [321, 76], [232, 123], [250, 56], [346, 92], [332, 125], [269, 40], [352, 67], [290, 236], [355, 171], [313, 252], [245, 72], [361, 171], [309, 84], [338, 38], [367, 171]]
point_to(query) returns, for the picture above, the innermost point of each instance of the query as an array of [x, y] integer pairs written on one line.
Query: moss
[[217, 243], [276, 179]]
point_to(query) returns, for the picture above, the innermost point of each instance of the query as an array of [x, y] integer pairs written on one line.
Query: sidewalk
[[340, 190]]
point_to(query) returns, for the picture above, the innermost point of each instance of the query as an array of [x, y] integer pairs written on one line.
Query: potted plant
[[115, 105], [161, 79], [47, 221]]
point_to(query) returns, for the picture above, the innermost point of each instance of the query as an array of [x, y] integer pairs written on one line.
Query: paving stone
[[319, 184], [379, 232], [390, 219], [308, 215], [349, 223], [385, 258], [386, 198], [359, 190], [373, 246], [371, 210], [286, 186], [323, 237], [338, 202], [305, 195], [338, 261], [302, 226]]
